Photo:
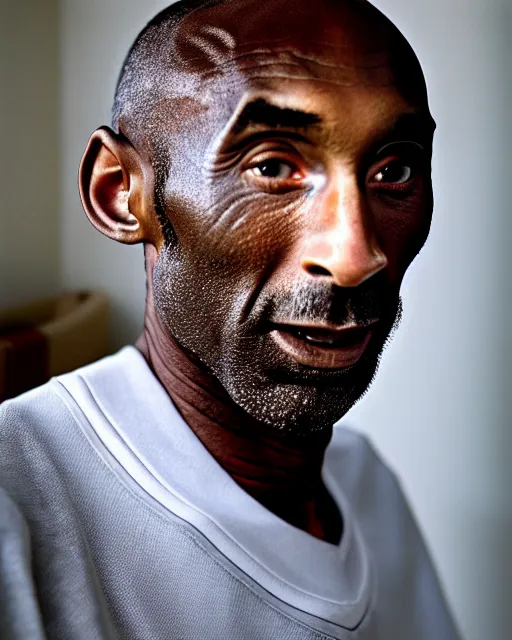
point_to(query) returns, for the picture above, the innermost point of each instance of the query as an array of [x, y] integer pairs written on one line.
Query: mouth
[[323, 347]]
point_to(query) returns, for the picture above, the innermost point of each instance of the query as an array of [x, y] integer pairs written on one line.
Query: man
[[274, 159]]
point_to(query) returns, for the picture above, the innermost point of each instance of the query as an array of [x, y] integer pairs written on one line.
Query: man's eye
[[395, 173], [276, 169]]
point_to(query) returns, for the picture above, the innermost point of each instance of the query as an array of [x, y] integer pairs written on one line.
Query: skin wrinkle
[[301, 62], [286, 210], [275, 52], [284, 76], [324, 44], [232, 254], [224, 222], [250, 49], [372, 77]]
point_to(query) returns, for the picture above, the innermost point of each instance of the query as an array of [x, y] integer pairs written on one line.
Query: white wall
[[95, 37], [29, 197], [440, 409]]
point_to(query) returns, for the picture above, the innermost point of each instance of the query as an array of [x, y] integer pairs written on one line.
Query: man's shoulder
[[43, 410], [34, 429], [359, 467], [33, 408], [349, 444]]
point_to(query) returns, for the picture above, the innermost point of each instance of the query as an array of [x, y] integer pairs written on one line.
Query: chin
[[312, 406], [292, 399]]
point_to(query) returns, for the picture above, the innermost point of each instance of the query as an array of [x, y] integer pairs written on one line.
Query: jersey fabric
[[116, 522]]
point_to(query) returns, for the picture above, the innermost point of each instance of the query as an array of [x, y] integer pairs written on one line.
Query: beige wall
[[441, 406], [29, 170], [96, 36]]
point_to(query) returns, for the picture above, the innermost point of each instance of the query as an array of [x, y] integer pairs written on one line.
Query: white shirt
[[147, 536]]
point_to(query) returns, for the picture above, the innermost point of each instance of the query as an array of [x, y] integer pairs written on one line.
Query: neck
[[282, 473]]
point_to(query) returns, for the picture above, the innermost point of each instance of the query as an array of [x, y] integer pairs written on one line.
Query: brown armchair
[[48, 337]]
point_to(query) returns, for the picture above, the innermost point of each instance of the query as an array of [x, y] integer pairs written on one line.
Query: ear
[[116, 188]]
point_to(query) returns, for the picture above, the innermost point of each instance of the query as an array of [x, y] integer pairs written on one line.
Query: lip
[[349, 344]]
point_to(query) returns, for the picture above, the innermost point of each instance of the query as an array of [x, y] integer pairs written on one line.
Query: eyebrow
[[261, 112], [417, 125], [411, 126]]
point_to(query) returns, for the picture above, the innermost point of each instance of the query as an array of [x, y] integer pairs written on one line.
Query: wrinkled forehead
[[342, 43], [339, 59]]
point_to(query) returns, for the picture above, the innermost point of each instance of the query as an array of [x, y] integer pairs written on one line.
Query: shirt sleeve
[[19, 612]]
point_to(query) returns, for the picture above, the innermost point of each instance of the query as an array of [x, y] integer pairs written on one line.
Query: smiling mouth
[[323, 348]]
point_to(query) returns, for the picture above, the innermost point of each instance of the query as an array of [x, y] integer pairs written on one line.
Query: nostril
[[316, 270]]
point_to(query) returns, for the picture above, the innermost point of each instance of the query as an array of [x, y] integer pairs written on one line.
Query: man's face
[[299, 192]]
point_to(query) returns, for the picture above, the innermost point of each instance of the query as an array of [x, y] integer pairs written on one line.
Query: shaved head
[[199, 55], [194, 39]]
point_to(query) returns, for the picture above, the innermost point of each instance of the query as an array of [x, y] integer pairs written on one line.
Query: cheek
[[191, 302], [260, 234], [241, 232], [204, 281], [402, 227]]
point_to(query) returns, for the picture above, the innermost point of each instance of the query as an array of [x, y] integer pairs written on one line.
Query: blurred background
[[440, 411]]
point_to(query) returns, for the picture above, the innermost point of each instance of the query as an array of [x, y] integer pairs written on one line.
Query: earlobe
[[113, 188]]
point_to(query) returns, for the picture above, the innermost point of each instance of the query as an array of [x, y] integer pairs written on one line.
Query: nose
[[342, 245]]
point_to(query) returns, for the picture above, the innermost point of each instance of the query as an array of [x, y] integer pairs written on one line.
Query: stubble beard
[[318, 401], [285, 398]]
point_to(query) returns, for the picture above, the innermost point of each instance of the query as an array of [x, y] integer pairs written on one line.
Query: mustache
[[320, 303]]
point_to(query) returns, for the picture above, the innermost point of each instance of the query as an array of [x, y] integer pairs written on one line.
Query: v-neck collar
[[137, 422]]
